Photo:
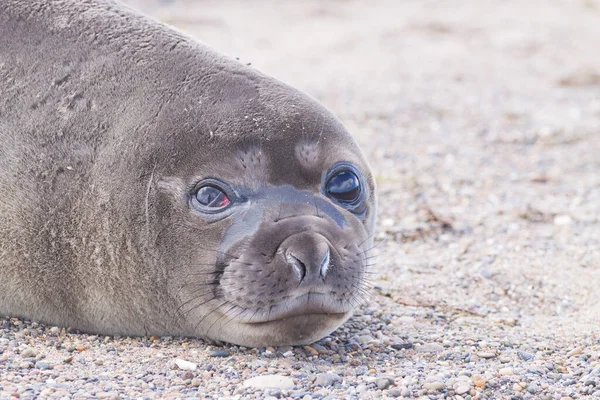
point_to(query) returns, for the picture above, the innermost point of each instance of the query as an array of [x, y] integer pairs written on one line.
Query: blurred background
[[481, 120]]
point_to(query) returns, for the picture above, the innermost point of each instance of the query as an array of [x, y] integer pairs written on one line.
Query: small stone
[[365, 339], [402, 346], [462, 388], [270, 381], [505, 371], [589, 383], [188, 375], [320, 349], [485, 273], [486, 354], [311, 350], [383, 383], [285, 349], [434, 385], [394, 393], [185, 365], [525, 356], [532, 388], [195, 382], [430, 348], [562, 220], [80, 347], [327, 379], [575, 352], [153, 338], [55, 329], [479, 381], [219, 353], [42, 365], [29, 353]]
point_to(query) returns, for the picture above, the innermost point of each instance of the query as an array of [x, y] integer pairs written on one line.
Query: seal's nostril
[[324, 264], [297, 266], [309, 257]]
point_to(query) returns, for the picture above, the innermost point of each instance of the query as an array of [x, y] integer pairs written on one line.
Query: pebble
[[326, 379], [218, 353], [402, 346], [505, 371], [434, 385], [462, 388], [575, 352], [383, 383], [532, 388], [525, 356], [185, 365], [479, 381], [29, 353], [270, 381], [430, 348], [486, 354], [42, 365]]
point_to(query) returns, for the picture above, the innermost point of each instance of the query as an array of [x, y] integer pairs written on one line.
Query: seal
[[152, 186]]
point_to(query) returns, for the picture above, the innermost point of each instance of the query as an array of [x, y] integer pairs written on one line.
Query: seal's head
[[267, 223], [158, 187]]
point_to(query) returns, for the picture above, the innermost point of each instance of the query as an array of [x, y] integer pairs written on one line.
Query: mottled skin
[[108, 121]]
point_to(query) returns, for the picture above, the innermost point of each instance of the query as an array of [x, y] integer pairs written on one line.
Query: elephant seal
[[151, 186]]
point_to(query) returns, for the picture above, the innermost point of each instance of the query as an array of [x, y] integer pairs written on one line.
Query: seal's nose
[[308, 256]]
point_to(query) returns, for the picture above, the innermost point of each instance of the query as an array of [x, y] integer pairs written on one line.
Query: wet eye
[[344, 187], [211, 198]]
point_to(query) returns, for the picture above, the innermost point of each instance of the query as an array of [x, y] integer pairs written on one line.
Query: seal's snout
[[307, 255]]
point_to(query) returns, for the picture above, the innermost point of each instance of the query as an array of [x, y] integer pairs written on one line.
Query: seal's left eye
[[211, 198], [344, 187]]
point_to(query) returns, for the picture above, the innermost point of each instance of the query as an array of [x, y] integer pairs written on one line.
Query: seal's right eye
[[210, 198]]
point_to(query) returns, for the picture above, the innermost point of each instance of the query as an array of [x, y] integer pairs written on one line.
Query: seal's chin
[[301, 320], [292, 330], [311, 303]]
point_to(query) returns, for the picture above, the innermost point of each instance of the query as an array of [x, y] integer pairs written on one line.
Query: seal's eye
[[211, 198], [344, 187]]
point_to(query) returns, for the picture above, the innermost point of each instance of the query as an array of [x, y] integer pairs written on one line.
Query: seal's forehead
[[298, 161]]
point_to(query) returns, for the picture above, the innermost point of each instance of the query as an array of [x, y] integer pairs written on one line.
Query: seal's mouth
[[309, 304]]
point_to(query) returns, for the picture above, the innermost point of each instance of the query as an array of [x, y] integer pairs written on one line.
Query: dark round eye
[[344, 187], [211, 198]]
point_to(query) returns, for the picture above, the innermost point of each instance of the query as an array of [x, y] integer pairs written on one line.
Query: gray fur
[[107, 121]]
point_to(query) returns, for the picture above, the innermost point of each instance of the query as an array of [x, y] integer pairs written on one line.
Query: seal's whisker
[[373, 273], [147, 199], [374, 246], [317, 208], [242, 311], [231, 318], [199, 296], [209, 314], [181, 314], [363, 242], [224, 315]]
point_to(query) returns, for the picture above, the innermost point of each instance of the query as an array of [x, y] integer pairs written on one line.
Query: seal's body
[[150, 185]]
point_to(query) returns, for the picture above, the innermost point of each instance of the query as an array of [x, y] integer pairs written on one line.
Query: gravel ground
[[481, 120]]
